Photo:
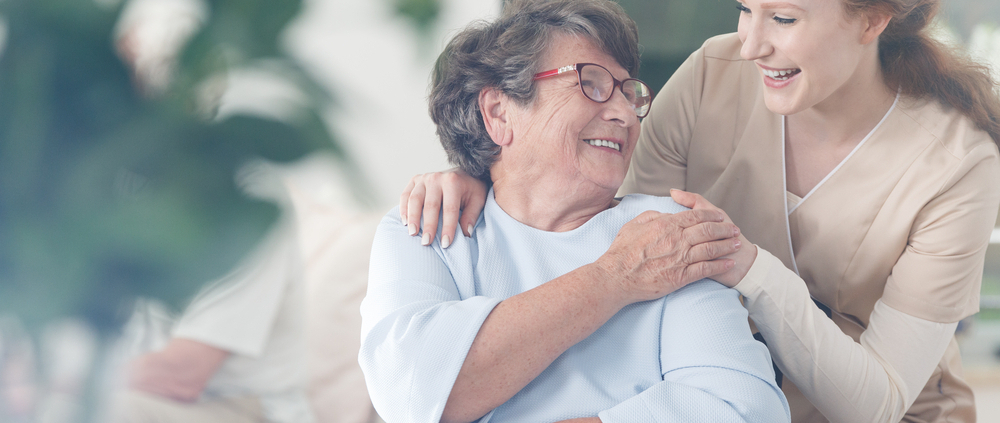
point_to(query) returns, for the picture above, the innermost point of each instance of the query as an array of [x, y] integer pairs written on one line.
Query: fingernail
[[470, 227], [403, 219], [736, 231], [413, 230], [445, 241], [737, 244], [426, 239]]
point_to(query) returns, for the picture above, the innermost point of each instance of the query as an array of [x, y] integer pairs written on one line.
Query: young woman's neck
[[851, 112]]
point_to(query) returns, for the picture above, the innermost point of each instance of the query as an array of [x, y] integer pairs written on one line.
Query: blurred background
[[146, 146]]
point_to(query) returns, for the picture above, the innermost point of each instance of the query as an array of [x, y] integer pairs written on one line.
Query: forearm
[[179, 372], [875, 380], [524, 334]]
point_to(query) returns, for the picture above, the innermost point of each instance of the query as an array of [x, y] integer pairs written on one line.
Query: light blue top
[[687, 357]]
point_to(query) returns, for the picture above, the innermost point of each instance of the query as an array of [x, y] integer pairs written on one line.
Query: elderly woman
[[548, 312], [860, 155]]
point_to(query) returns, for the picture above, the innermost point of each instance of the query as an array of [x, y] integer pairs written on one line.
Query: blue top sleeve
[[411, 310], [712, 369]]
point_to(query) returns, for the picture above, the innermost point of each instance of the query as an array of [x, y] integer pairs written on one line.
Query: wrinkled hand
[[657, 253], [742, 259], [453, 192]]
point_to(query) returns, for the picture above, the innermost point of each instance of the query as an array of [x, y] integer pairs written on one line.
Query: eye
[[742, 8], [784, 21]]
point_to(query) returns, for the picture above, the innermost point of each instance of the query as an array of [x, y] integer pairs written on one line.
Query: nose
[[754, 38], [619, 110]]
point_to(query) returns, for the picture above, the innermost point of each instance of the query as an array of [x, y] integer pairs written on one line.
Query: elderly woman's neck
[[549, 207]]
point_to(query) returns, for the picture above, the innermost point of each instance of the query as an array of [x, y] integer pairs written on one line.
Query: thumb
[[684, 198]]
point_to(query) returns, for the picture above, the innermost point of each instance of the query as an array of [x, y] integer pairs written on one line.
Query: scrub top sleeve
[[237, 312], [416, 329], [659, 161], [713, 369], [875, 380], [939, 274]]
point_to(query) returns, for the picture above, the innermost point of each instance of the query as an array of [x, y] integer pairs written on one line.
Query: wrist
[[743, 260], [745, 265], [609, 284]]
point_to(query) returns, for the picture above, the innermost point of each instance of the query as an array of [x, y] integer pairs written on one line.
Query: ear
[[495, 108], [876, 24]]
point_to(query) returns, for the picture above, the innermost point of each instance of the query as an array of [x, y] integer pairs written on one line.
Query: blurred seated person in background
[[238, 351], [563, 304], [236, 354]]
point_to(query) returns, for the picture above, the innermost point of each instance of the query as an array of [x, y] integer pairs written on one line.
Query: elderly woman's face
[[567, 138]]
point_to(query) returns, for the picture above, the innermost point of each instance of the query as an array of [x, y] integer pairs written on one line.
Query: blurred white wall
[[379, 69]]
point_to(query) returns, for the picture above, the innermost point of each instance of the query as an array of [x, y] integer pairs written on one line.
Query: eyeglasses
[[598, 84]]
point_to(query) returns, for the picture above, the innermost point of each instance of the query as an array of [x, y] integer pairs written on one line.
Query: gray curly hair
[[504, 54]]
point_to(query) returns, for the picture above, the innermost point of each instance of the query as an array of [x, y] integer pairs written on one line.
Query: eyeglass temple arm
[[554, 72]]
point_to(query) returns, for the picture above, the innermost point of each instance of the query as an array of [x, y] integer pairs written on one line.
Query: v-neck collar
[[784, 126]]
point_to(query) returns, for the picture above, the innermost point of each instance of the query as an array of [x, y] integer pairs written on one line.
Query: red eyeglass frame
[[616, 84]]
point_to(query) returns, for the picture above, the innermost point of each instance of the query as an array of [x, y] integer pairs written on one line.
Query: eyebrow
[[779, 5]]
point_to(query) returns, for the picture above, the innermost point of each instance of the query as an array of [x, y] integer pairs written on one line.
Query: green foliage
[[423, 13], [106, 194], [669, 31]]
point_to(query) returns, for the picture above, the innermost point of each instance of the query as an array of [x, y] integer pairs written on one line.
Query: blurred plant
[[107, 193], [423, 13]]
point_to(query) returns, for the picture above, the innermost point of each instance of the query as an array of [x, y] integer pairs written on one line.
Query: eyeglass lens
[[598, 85]]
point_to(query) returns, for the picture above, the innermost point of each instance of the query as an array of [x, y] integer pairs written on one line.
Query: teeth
[[779, 75], [605, 143]]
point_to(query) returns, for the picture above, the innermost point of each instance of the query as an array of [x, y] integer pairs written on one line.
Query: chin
[[613, 184], [781, 106]]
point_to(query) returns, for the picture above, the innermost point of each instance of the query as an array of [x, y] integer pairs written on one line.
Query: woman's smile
[[778, 78], [602, 143], [780, 75]]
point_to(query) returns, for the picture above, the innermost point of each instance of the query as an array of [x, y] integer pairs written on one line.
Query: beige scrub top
[[906, 219]]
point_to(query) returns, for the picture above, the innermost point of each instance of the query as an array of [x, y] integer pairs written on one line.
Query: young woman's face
[[808, 52]]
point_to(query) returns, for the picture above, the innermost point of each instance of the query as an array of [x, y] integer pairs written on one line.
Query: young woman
[[860, 156]]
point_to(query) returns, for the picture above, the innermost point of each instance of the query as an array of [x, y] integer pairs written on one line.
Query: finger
[[700, 202], [707, 269], [689, 218], [712, 250], [415, 206], [404, 198], [683, 198], [710, 231], [432, 211], [450, 206], [649, 216], [696, 202], [472, 207]]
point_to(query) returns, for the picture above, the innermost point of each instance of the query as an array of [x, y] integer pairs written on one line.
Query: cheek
[[633, 133], [829, 70]]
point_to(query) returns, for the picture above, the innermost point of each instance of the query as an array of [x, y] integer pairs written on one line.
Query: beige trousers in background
[[137, 407]]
